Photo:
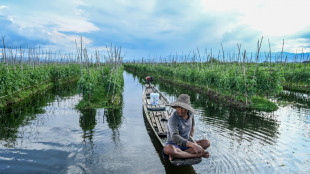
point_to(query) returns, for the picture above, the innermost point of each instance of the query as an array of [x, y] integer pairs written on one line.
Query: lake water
[[50, 136]]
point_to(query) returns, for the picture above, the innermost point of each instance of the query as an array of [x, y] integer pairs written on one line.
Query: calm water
[[50, 136]]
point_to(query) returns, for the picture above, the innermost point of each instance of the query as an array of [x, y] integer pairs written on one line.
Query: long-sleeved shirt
[[179, 129]]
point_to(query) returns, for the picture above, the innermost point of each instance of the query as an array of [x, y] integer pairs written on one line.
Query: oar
[[192, 139]]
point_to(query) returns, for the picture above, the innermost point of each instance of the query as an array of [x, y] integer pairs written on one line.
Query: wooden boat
[[157, 116]]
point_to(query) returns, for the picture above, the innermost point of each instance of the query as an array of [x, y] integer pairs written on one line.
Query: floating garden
[[99, 78], [242, 81]]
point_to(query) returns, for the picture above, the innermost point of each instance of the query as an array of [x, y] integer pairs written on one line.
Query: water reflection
[[21, 114], [297, 99], [113, 117], [114, 120], [88, 122]]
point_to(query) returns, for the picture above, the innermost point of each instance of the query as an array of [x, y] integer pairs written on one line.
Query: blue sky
[[148, 28]]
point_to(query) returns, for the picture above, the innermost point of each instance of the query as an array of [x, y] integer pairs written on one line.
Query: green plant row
[[297, 73], [238, 82], [101, 87], [224, 77], [16, 79], [297, 77]]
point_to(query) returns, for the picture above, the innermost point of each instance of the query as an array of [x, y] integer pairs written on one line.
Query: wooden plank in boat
[[152, 118], [159, 126], [156, 122], [162, 124]]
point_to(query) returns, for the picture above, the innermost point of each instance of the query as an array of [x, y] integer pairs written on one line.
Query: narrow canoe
[[157, 117]]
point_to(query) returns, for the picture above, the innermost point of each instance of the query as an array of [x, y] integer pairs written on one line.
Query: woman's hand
[[196, 147]]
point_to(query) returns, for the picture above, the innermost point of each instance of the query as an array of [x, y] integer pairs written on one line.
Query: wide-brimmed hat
[[184, 102]]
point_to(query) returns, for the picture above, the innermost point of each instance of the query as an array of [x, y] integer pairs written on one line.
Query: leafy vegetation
[[18, 82], [101, 85], [297, 77], [23, 74], [234, 81]]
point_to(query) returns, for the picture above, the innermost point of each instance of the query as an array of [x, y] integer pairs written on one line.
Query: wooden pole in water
[[82, 62], [244, 76]]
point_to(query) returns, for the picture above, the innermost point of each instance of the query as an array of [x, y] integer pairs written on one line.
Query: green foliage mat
[[101, 87], [100, 99], [262, 104]]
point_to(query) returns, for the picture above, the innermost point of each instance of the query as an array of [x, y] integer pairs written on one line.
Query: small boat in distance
[[157, 113]]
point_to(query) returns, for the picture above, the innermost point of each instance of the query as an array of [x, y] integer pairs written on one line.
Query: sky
[[156, 28]]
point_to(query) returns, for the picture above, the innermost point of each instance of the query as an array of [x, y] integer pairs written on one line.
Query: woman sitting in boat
[[180, 130]]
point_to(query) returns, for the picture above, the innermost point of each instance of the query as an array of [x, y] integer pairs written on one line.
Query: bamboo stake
[[244, 76], [269, 56], [223, 53]]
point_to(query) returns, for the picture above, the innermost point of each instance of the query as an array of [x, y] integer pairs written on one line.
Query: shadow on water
[[113, 117], [21, 114], [169, 168], [88, 123], [299, 100], [227, 118], [114, 120]]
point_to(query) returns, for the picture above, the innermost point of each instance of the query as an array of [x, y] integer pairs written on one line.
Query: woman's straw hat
[[183, 101]]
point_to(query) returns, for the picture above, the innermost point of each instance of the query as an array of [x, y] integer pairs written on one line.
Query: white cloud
[[273, 18], [280, 18], [3, 7], [54, 15], [181, 26], [66, 42], [11, 19], [298, 45], [48, 20], [71, 24]]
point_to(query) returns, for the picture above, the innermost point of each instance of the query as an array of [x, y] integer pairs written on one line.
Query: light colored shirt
[[179, 129]]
